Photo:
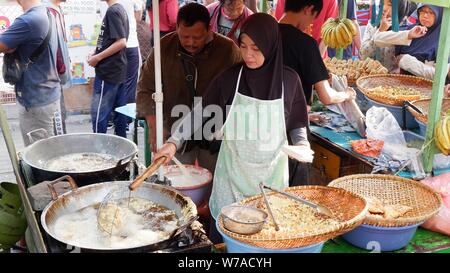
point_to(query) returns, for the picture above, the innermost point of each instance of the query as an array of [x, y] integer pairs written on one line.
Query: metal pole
[[158, 85], [438, 88], [342, 14]]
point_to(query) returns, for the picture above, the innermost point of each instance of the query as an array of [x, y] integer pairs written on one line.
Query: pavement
[[75, 123]]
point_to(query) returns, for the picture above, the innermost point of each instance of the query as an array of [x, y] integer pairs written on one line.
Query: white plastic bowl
[[198, 190]]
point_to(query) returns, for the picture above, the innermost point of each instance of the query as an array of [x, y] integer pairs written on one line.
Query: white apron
[[249, 155]]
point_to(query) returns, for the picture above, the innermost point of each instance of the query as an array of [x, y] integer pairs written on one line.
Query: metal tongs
[[261, 187], [321, 209]]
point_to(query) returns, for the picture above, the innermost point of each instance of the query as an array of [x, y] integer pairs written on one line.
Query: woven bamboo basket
[[348, 208], [366, 83], [425, 202], [424, 106]]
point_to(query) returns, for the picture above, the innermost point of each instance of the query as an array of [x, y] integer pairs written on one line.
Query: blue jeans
[[107, 97], [132, 73]]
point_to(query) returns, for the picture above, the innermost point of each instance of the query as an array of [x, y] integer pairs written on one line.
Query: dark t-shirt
[[302, 54], [114, 27]]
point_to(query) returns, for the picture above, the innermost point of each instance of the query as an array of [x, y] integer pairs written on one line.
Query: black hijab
[[264, 83]]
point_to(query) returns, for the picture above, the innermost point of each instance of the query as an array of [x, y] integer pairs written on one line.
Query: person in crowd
[[168, 10], [330, 9], [355, 47], [33, 39], [301, 53], [227, 17], [260, 87], [193, 56], [62, 56], [134, 14], [379, 40], [419, 57], [110, 62]]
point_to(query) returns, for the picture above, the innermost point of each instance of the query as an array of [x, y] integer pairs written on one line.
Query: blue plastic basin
[[235, 246], [397, 112], [422, 127], [381, 238]]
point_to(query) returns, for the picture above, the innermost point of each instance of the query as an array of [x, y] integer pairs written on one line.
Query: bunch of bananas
[[338, 33], [442, 134]]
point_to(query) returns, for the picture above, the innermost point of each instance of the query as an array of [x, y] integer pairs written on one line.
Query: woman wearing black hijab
[[379, 40], [264, 102]]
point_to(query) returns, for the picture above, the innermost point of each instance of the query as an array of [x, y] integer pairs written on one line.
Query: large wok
[[35, 157], [82, 197]]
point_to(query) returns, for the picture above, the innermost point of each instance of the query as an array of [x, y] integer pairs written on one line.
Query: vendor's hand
[[93, 60], [351, 93], [398, 59], [417, 32], [385, 23], [168, 150], [317, 118]]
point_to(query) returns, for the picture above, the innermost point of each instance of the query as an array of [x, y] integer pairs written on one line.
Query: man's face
[[193, 39], [233, 8]]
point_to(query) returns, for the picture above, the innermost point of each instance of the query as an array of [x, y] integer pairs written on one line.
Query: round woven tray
[[422, 85], [425, 203], [349, 208], [424, 106]]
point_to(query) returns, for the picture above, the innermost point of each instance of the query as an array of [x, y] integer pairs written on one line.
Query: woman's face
[[426, 17], [233, 8], [251, 54], [387, 9]]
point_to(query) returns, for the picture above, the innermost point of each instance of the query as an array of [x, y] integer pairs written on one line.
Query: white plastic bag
[[349, 109], [382, 125]]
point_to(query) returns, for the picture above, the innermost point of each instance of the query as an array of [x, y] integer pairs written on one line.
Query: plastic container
[[422, 128], [235, 246], [381, 238], [199, 190], [397, 112]]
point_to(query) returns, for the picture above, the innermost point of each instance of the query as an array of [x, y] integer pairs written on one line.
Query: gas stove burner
[[154, 179]]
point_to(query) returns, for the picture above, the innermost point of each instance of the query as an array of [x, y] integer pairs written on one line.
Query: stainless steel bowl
[[243, 219]]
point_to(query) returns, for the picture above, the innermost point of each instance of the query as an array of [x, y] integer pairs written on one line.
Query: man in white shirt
[[134, 12]]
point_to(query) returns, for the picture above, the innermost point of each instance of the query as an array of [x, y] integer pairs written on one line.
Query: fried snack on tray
[[353, 69], [396, 93], [378, 208], [292, 217]]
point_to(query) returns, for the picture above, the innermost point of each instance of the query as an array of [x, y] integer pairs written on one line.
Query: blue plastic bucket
[[381, 238], [397, 112], [422, 127], [235, 246]]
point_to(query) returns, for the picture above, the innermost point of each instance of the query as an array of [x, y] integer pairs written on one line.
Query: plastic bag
[[349, 109], [441, 222], [382, 125]]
